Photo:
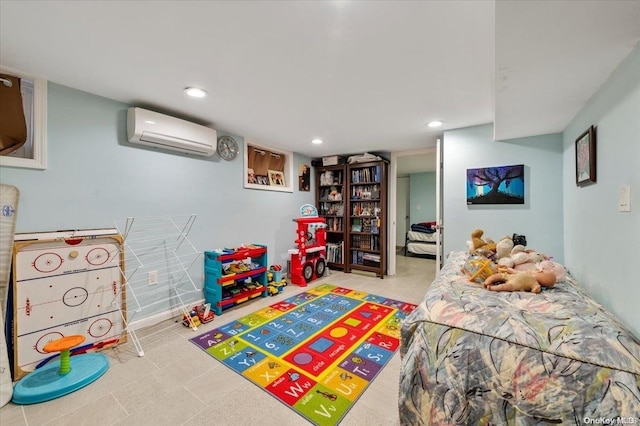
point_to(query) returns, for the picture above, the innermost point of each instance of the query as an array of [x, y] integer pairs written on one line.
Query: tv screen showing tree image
[[496, 185]]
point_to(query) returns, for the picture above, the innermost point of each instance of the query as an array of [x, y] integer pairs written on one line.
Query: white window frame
[[39, 122]]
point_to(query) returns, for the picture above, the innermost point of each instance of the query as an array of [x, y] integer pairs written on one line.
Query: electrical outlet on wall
[[153, 277]]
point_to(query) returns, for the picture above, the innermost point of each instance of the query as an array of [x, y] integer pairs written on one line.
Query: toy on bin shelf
[[308, 260], [276, 270]]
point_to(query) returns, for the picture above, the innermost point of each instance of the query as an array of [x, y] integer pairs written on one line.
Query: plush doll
[[512, 280]]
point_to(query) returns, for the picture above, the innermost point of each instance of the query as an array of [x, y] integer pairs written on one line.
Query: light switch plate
[[153, 277], [624, 198]]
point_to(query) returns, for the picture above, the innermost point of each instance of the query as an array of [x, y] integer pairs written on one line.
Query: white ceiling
[[417, 162], [363, 76]]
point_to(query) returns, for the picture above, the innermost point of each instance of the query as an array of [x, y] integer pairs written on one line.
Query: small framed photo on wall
[[276, 178], [586, 157], [304, 177]]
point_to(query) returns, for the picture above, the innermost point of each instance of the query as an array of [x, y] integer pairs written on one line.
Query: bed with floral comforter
[[475, 357]]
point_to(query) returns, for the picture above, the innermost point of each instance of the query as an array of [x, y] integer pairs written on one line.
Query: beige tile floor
[[176, 383]]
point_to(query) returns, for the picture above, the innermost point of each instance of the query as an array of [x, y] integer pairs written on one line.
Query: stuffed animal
[[519, 255], [520, 258], [334, 195], [504, 247], [519, 240], [525, 257], [479, 246], [556, 268], [476, 240], [512, 280], [491, 246], [545, 265], [536, 257]]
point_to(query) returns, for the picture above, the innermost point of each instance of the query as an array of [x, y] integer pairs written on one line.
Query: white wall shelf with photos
[[267, 169], [33, 154]]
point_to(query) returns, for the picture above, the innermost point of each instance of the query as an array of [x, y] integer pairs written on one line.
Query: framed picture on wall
[[586, 157], [496, 185], [304, 177], [276, 178]]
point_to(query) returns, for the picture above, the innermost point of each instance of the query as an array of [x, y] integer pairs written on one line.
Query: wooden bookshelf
[[366, 215], [331, 201]]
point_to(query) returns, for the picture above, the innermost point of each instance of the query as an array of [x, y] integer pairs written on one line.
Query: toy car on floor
[[204, 312], [191, 320]]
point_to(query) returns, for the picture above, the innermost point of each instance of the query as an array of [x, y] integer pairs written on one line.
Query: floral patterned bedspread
[[472, 356]]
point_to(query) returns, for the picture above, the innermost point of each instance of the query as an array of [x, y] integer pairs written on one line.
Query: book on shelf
[[356, 226], [375, 242], [375, 192], [366, 224], [335, 252], [371, 257], [375, 225], [334, 224]]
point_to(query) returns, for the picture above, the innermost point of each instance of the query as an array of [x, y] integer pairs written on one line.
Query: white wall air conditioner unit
[[150, 128]]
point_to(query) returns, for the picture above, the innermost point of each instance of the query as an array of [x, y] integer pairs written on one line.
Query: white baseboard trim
[[159, 317]]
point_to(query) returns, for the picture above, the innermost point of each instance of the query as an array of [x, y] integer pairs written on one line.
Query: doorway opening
[[413, 199]]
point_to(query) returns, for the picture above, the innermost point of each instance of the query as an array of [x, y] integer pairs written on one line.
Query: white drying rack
[[157, 256]]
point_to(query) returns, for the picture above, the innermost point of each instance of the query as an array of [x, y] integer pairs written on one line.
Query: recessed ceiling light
[[195, 92], [317, 141], [435, 123]]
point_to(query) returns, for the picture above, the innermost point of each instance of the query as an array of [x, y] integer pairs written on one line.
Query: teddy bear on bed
[[504, 247], [481, 247]]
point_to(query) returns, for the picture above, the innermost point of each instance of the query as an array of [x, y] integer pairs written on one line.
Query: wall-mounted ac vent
[[157, 130]]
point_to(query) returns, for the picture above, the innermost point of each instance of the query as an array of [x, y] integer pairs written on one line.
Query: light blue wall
[[422, 197], [539, 218], [601, 243], [94, 177]]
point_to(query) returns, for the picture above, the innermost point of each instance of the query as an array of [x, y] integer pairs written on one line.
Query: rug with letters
[[316, 351]]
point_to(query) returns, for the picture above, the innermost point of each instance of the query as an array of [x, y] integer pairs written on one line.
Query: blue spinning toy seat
[[66, 375]]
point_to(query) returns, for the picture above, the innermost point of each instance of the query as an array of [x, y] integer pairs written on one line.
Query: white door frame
[[391, 204], [439, 223]]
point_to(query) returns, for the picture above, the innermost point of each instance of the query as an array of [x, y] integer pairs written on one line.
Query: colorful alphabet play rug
[[316, 351]]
